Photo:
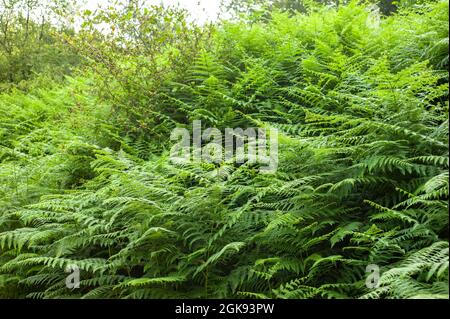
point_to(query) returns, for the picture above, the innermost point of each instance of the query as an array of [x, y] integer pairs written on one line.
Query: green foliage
[[31, 43], [362, 111]]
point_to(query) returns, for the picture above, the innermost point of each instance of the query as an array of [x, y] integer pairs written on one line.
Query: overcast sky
[[201, 10]]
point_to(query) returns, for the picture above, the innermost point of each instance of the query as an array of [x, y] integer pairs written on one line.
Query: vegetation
[[360, 100]]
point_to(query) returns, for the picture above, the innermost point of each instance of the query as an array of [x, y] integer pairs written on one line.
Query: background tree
[[30, 32], [387, 7]]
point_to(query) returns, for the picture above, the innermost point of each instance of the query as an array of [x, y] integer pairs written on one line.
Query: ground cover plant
[[359, 96]]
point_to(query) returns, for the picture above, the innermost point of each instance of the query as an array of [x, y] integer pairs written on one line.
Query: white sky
[[200, 10]]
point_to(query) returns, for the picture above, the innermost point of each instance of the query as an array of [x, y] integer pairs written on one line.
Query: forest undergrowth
[[360, 102]]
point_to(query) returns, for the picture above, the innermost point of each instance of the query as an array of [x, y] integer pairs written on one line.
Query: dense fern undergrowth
[[362, 112]]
